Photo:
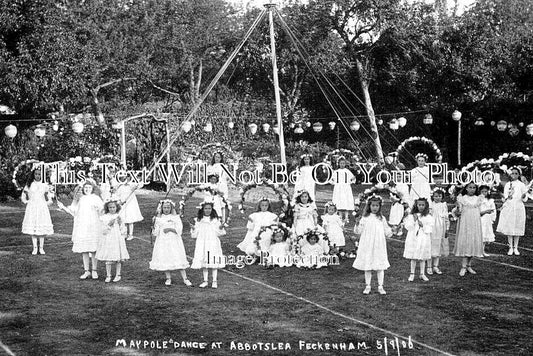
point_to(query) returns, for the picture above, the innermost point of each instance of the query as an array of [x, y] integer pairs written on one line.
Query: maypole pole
[[270, 7]]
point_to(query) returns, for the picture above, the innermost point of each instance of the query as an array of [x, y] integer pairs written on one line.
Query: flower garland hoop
[[280, 190], [210, 149], [362, 197], [204, 188], [18, 167], [428, 142], [317, 231], [332, 157]]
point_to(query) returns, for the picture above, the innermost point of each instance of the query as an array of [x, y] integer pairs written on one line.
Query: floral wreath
[[372, 192], [425, 140], [204, 188], [274, 227], [334, 156], [320, 233], [17, 168], [280, 190], [207, 151]]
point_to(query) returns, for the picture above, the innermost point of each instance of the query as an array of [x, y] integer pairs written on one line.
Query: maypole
[[271, 7]]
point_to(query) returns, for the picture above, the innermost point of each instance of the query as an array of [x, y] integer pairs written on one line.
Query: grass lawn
[[46, 310]]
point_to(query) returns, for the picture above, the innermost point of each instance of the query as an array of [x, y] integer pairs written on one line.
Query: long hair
[[464, 192], [277, 230], [481, 187], [221, 158], [367, 211], [415, 207], [262, 200], [299, 197], [159, 210], [31, 177], [106, 206], [302, 160], [213, 215]]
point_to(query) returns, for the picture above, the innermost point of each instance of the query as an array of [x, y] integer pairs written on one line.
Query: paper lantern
[[77, 127], [520, 124], [402, 121], [380, 121], [355, 125], [317, 127], [292, 125], [529, 129], [501, 125], [266, 127], [231, 125], [428, 119], [208, 127], [276, 129], [299, 130], [308, 124], [10, 131], [332, 125], [456, 115], [479, 122], [253, 128], [39, 131], [55, 126], [389, 159], [514, 130], [186, 126], [492, 123], [394, 125]]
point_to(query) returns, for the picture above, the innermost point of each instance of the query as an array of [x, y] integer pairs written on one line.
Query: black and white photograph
[[266, 177]]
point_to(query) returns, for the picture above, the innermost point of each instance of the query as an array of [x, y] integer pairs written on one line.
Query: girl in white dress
[[420, 187], [488, 216], [216, 167], [305, 179], [305, 215], [419, 225], [439, 240], [208, 250], [372, 252], [333, 225], [261, 218], [112, 248], [130, 207], [312, 255], [217, 195], [87, 227], [279, 252], [37, 221], [169, 253], [342, 190], [397, 213], [512, 220]]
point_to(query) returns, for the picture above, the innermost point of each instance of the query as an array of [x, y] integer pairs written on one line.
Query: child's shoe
[[34, 252], [94, 275], [108, 279], [462, 272], [516, 252], [117, 278], [381, 290], [470, 270], [85, 275], [129, 238], [187, 283], [411, 277], [429, 271], [510, 252], [41, 251], [437, 270], [424, 278], [168, 282], [367, 290], [214, 285], [203, 285]]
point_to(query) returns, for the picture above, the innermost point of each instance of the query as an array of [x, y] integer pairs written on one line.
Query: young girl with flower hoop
[[420, 187], [305, 180], [261, 218]]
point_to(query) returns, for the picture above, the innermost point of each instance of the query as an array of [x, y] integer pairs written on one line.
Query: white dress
[[112, 246], [303, 217], [130, 209], [222, 177], [87, 228], [305, 181], [333, 225], [372, 250], [255, 222], [169, 252], [418, 240], [217, 198], [439, 241], [487, 220], [312, 256], [513, 214], [279, 254], [396, 212], [420, 187], [342, 189], [208, 250], [37, 219]]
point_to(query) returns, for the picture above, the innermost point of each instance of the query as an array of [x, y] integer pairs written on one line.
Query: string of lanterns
[[40, 130]]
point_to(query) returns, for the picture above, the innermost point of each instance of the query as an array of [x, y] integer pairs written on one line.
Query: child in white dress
[[279, 252], [312, 255], [217, 195], [37, 221], [396, 214], [208, 250], [439, 240], [169, 253], [372, 253], [512, 220], [419, 225], [253, 244], [333, 225], [305, 214], [305, 180], [342, 190], [130, 207], [420, 187], [112, 248], [216, 167], [488, 216], [87, 227]]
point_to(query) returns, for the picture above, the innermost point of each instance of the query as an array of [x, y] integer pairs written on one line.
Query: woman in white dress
[[420, 187], [513, 214], [37, 221]]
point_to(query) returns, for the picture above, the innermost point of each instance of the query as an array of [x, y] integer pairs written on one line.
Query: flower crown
[[438, 190], [330, 203], [516, 168], [423, 155], [374, 196], [306, 155], [110, 200], [264, 198], [341, 158], [159, 209]]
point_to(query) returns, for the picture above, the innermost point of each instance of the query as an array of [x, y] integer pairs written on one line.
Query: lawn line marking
[[506, 245], [483, 259], [337, 313], [6, 349]]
